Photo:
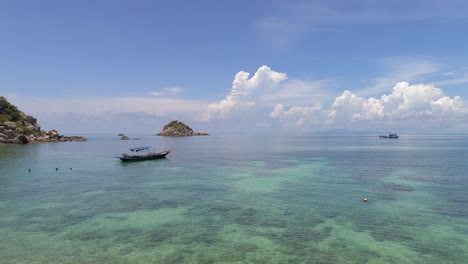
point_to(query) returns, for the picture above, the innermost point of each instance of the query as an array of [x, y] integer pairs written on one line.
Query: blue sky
[[237, 66]]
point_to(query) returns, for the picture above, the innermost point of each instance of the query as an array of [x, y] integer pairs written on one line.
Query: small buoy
[[29, 170], [56, 169], [70, 168], [365, 200]]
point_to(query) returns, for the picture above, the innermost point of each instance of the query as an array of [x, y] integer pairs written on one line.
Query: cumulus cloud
[[406, 102], [297, 115], [245, 91], [264, 90]]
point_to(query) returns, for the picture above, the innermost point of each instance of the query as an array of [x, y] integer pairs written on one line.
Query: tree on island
[[176, 128]]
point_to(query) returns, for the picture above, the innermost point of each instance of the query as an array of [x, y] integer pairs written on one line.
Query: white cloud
[[406, 102], [245, 92], [168, 91], [397, 69], [297, 115], [265, 89]]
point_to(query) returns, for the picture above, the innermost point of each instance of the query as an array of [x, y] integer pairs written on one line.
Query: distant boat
[[389, 136], [121, 135], [146, 154]]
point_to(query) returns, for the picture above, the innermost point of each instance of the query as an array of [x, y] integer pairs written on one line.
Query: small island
[[18, 128], [176, 128]]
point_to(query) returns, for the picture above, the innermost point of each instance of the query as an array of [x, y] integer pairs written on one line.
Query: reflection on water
[[237, 199]]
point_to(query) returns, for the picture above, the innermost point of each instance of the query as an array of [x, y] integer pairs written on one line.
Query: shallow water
[[292, 198]]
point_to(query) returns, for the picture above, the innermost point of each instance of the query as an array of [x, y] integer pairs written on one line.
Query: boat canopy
[[136, 149]]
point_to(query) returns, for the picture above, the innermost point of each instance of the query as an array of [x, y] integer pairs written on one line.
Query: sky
[[237, 66]]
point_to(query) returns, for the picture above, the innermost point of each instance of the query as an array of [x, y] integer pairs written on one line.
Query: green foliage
[[177, 125], [8, 112], [25, 130]]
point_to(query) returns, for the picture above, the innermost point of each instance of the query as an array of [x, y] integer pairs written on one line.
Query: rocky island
[[18, 128], [176, 128]]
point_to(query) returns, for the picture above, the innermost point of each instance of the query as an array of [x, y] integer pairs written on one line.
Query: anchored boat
[[389, 136], [143, 153]]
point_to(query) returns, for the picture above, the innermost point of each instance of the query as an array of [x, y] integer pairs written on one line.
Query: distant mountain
[[18, 128]]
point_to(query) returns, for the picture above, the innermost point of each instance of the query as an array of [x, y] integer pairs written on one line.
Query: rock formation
[[176, 128], [18, 128]]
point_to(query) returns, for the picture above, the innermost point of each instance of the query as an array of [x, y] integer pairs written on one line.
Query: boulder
[[23, 139], [200, 134], [14, 141], [10, 134], [10, 125], [53, 133], [74, 138], [124, 137]]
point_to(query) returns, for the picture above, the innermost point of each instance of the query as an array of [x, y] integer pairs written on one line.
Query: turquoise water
[[294, 198]]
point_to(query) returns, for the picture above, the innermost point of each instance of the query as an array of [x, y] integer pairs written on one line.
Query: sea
[[230, 198]]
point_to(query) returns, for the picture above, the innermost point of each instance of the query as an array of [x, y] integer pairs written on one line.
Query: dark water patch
[[330, 213], [398, 187], [460, 197], [192, 234], [157, 237], [298, 237], [116, 218], [463, 230], [125, 251], [426, 178], [215, 208], [39, 213], [225, 254], [179, 256], [127, 235], [272, 221], [307, 219], [75, 219], [247, 217], [280, 164], [452, 210], [50, 221], [393, 234], [439, 252], [88, 235], [116, 188]]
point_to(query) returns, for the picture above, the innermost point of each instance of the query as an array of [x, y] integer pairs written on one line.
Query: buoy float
[[29, 170], [365, 200], [56, 169], [70, 168]]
